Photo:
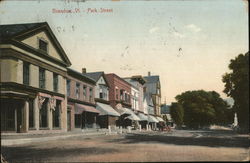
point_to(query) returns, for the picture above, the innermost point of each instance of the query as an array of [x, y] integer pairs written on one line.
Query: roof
[[94, 75], [77, 74], [10, 30], [152, 84], [106, 109], [165, 109]]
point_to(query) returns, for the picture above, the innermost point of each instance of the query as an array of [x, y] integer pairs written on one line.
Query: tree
[[177, 113], [203, 108], [237, 87]]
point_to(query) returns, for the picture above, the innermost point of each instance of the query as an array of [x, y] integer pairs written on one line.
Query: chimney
[[84, 70], [149, 74]]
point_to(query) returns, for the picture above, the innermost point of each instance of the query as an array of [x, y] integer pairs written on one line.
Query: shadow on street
[[31, 154], [208, 139]]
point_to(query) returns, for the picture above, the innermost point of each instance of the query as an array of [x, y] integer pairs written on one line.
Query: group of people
[[164, 127]]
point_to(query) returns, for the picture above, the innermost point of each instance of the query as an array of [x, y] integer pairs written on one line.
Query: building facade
[[108, 116], [33, 79], [81, 110]]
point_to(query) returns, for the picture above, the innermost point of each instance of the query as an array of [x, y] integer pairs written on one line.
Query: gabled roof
[[94, 75], [15, 33]]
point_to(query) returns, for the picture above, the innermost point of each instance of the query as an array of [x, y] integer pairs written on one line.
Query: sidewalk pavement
[[8, 139]]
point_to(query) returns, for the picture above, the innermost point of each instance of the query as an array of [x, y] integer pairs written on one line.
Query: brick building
[[81, 101]]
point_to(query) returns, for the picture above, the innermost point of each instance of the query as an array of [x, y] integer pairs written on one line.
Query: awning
[[152, 119], [124, 111], [79, 108], [143, 117], [160, 119], [106, 109], [132, 116]]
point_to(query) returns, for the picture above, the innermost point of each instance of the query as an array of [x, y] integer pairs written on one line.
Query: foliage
[[177, 113], [237, 87], [203, 108]]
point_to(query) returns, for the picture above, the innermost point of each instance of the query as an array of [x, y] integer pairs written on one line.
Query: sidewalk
[[8, 139]]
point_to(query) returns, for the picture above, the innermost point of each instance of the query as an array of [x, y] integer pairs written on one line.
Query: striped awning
[[79, 108], [143, 117], [152, 119], [160, 119], [106, 109], [132, 115]]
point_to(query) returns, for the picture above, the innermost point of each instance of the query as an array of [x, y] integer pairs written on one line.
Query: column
[[36, 113], [25, 122], [49, 117]]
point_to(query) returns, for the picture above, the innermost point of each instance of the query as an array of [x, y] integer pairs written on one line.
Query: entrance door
[[69, 120]]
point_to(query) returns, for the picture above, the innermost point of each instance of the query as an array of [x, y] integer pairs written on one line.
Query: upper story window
[[26, 73], [43, 45], [77, 90], [42, 78], [121, 94], [68, 87], [84, 92], [103, 93], [55, 82], [90, 94], [116, 93]]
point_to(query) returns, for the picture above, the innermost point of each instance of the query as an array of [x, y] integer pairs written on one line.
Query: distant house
[[153, 88], [108, 116], [165, 111], [81, 109], [33, 79]]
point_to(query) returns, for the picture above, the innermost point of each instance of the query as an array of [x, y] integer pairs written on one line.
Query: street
[[178, 145]]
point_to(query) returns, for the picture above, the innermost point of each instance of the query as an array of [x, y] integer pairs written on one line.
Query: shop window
[[43, 118], [31, 115], [77, 120], [56, 114], [26, 73]]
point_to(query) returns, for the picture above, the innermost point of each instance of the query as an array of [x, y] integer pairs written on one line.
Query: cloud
[[178, 35], [153, 30], [193, 28]]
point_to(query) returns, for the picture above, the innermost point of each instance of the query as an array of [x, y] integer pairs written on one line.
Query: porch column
[[25, 122], [36, 113], [49, 116]]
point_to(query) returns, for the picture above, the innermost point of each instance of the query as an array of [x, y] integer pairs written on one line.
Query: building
[[33, 79], [137, 96], [108, 116], [165, 112], [153, 89], [82, 113], [120, 100]]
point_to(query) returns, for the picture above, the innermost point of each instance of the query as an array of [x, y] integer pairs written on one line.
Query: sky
[[189, 43]]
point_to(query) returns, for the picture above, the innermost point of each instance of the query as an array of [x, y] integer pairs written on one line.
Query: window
[[26, 73], [121, 95], [31, 114], [84, 92], [90, 94], [43, 45], [41, 78], [77, 93], [116, 93], [55, 82], [68, 87], [56, 114], [43, 119]]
